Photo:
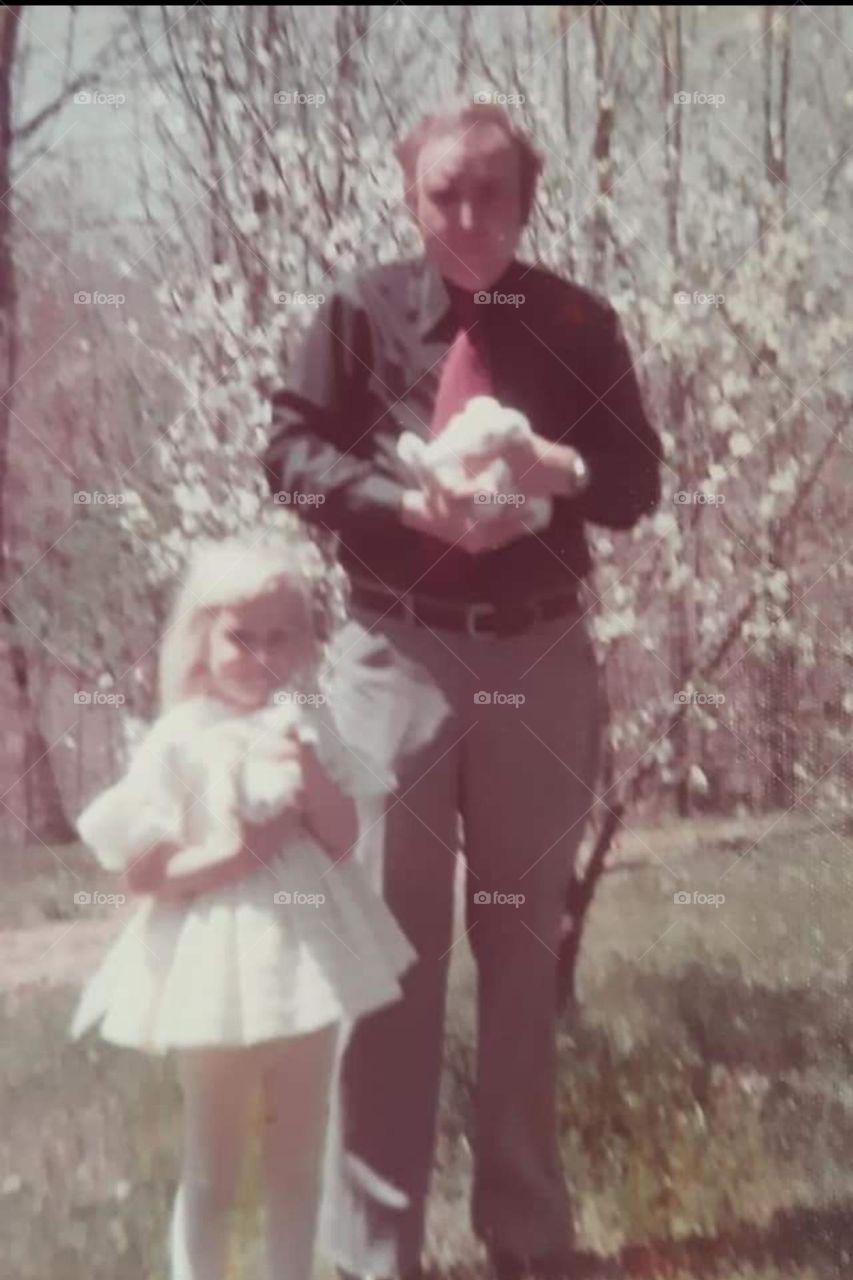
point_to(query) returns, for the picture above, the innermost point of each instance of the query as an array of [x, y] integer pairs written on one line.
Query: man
[[487, 613]]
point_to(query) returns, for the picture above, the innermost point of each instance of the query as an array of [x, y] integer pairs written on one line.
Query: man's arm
[[621, 450], [320, 441]]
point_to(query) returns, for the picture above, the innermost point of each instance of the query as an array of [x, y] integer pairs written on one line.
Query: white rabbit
[[250, 780], [470, 448]]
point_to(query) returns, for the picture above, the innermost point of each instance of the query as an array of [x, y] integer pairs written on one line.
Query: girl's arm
[[238, 845], [260, 842], [147, 873], [147, 868], [220, 857], [181, 888], [127, 823], [329, 814]]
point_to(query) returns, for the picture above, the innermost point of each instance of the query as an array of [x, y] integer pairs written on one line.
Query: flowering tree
[[678, 181]]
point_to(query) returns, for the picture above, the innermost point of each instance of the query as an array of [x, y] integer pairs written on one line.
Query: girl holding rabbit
[[256, 934]]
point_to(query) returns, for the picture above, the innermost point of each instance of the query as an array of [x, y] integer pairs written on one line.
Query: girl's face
[[256, 646]]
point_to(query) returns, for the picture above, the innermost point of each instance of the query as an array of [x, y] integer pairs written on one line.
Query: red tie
[[465, 372]]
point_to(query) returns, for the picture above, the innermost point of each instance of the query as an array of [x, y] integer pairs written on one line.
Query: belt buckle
[[471, 613]]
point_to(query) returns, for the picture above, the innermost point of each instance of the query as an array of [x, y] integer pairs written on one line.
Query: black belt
[[508, 620]]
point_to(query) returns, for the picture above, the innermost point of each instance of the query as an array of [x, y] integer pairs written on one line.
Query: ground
[[706, 1105]]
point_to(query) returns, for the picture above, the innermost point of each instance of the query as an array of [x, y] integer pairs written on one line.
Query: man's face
[[468, 204]]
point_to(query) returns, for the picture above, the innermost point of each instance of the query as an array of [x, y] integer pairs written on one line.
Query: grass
[[706, 1103]]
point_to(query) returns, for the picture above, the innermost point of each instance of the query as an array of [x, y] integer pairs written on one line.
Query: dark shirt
[[369, 369]]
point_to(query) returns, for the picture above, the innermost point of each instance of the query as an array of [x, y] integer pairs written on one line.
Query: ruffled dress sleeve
[[144, 807], [357, 768]]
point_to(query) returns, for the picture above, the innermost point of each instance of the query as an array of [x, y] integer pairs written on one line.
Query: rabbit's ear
[[482, 406]]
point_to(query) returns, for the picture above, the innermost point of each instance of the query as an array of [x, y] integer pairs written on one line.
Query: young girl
[[256, 935]]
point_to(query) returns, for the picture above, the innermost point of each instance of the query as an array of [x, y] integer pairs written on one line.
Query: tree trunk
[[45, 815], [781, 689], [682, 620]]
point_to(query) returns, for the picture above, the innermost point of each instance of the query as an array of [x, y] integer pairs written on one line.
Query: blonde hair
[[225, 573]]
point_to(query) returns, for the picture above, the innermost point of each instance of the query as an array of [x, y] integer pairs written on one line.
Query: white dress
[[297, 943]]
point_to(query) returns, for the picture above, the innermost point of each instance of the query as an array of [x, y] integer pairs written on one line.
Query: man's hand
[[543, 468], [491, 532], [455, 519]]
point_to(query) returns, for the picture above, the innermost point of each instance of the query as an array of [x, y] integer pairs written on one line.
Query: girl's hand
[[289, 748], [254, 845], [182, 889], [265, 839], [261, 841], [146, 871], [330, 814]]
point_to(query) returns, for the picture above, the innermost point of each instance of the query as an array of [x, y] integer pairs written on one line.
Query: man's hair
[[463, 117]]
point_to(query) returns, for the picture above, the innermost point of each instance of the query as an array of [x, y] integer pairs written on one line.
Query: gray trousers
[[504, 732]]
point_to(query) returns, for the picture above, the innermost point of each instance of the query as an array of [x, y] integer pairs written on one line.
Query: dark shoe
[[507, 1266]]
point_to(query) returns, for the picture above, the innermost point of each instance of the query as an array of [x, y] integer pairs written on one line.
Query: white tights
[[218, 1085]]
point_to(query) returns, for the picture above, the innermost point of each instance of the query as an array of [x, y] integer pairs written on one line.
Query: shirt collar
[[437, 295]]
